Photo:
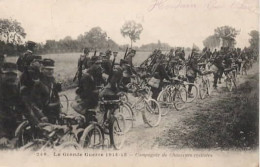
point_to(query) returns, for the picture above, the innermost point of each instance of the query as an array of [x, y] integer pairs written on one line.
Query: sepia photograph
[[129, 83]]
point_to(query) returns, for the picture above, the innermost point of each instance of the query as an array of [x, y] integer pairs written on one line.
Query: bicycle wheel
[[152, 114], [24, 133], [165, 102], [203, 89], [180, 98], [117, 131], [194, 92], [92, 137], [127, 112], [64, 103]]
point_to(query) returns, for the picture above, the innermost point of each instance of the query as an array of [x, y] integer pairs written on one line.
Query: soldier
[[159, 73], [24, 60], [83, 63], [49, 100], [10, 112], [192, 70], [87, 93]]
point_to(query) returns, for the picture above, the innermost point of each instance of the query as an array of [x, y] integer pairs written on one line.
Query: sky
[[177, 22]]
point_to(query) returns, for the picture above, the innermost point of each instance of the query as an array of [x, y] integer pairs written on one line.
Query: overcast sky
[[177, 22]]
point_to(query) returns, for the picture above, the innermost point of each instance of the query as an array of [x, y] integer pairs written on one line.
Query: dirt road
[[143, 137]]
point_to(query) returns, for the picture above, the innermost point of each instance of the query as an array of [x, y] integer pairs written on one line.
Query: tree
[[254, 41], [132, 30], [96, 37], [212, 42], [227, 35], [11, 31]]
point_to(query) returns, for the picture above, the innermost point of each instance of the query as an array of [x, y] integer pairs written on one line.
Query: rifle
[[76, 75], [111, 70], [126, 52], [95, 52]]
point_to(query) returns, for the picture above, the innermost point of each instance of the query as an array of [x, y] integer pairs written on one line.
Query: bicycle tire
[[116, 129], [203, 90], [164, 100], [87, 134], [24, 134], [152, 114], [126, 110], [64, 103], [180, 98]]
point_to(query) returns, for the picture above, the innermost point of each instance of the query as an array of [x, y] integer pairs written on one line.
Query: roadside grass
[[230, 122]]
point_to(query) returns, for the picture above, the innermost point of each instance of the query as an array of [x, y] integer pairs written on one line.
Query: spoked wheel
[[165, 102], [92, 137], [127, 112], [25, 134], [180, 98], [203, 89], [64, 103], [117, 131], [194, 92], [152, 114]]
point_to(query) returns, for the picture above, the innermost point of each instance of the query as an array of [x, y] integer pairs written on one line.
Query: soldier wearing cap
[[87, 92], [10, 104], [48, 100], [127, 65], [24, 60]]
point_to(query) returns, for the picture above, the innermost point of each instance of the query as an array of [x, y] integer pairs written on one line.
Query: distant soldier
[[128, 68], [25, 59], [83, 63]]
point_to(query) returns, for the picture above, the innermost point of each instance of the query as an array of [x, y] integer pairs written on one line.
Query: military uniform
[[10, 103]]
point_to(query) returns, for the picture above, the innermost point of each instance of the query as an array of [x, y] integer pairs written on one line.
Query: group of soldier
[[34, 94], [27, 90]]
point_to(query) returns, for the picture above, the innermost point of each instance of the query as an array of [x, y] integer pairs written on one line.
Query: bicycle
[[56, 137], [150, 108], [205, 87], [173, 95], [230, 78], [112, 124]]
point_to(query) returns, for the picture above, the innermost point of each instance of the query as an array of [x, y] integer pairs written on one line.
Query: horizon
[[158, 18]]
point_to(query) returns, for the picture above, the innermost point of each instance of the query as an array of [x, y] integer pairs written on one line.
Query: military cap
[[48, 63], [108, 52]]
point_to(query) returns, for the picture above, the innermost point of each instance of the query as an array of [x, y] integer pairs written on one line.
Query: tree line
[[12, 36]]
